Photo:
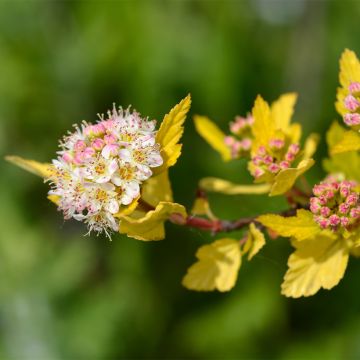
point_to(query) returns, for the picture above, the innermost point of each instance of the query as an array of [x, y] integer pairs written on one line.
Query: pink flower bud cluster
[[273, 159], [101, 166], [352, 104], [240, 142], [335, 204]]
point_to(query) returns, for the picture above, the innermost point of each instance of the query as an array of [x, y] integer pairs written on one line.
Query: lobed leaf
[[217, 267], [43, 170], [317, 263], [156, 189], [302, 226], [213, 135], [282, 110], [151, 225], [310, 146], [226, 187], [349, 142], [170, 132], [254, 242], [286, 178]]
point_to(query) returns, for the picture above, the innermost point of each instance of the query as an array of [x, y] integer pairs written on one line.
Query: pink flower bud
[[351, 103], [268, 159], [318, 189], [80, 145], [257, 160], [262, 150], [294, 148], [324, 223], [352, 199], [109, 139], [246, 144], [289, 157], [258, 172], [315, 208], [229, 140], [355, 213], [284, 164], [334, 220], [325, 211], [352, 119], [274, 168], [345, 191], [88, 153], [98, 144], [67, 157], [98, 129], [344, 221], [354, 87], [344, 208], [277, 143]]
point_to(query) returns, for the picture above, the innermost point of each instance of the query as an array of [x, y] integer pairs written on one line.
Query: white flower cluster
[[101, 167]]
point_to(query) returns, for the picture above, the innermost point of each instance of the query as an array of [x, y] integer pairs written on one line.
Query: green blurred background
[[66, 296]]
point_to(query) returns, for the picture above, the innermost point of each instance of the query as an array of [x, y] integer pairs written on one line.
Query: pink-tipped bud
[[345, 191], [354, 87], [277, 143], [344, 221], [325, 211], [98, 144], [351, 103], [344, 208], [352, 199], [109, 139], [315, 208], [289, 157], [294, 148], [261, 150], [67, 157], [229, 140], [257, 160], [246, 144], [324, 223], [334, 220], [323, 199], [80, 145], [355, 213], [274, 168], [352, 119], [258, 172], [268, 159], [318, 189], [284, 164], [88, 153], [98, 129]]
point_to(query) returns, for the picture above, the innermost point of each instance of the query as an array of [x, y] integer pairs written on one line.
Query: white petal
[[125, 155], [112, 206], [106, 151], [113, 166], [103, 179], [117, 179]]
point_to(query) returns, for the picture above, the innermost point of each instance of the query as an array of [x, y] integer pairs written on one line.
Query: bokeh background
[[66, 296]]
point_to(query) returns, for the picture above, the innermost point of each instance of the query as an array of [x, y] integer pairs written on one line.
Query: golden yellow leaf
[[43, 170], [226, 187], [349, 72], [301, 226], [129, 209], [254, 242], [310, 146], [286, 178], [170, 132], [217, 267], [282, 110], [156, 189], [151, 225], [263, 127], [201, 207], [317, 263], [213, 135], [349, 142], [54, 199]]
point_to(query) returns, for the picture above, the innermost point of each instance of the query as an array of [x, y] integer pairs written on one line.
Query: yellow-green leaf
[[229, 188], [286, 178], [349, 142], [310, 146], [254, 242], [151, 225], [317, 263], [301, 226], [217, 267], [170, 132], [282, 110], [201, 207], [263, 127], [156, 189], [213, 135], [43, 170], [349, 72]]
